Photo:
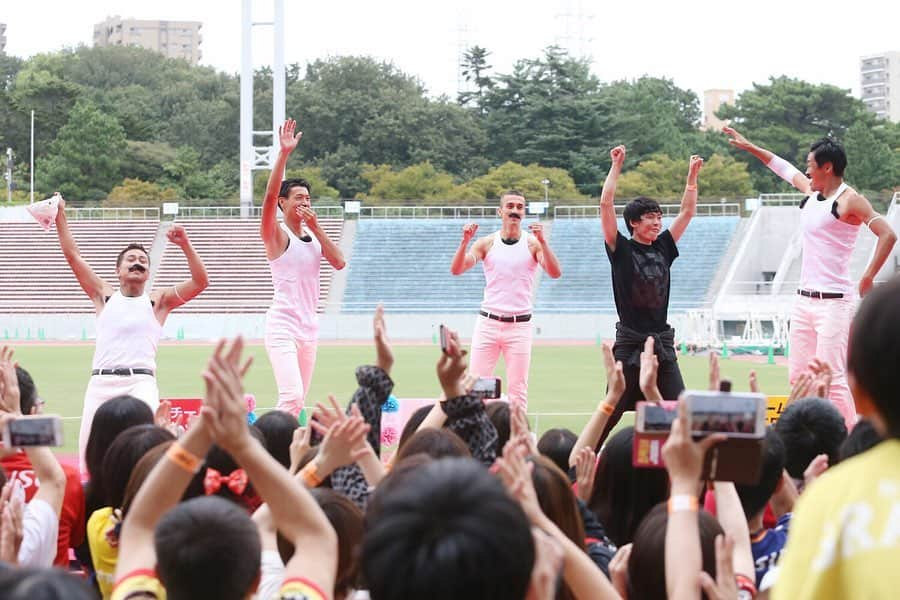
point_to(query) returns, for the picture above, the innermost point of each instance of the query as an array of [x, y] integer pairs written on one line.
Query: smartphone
[[33, 430], [444, 338], [650, 417], [736, 415], [486, 388]]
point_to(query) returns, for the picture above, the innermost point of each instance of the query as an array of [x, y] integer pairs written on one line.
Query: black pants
[[668, 380]]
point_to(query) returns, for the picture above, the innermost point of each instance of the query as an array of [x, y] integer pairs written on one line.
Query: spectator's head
[[277, 428], [862, 437], [123, 454], [347, 521], [557, 500], [635, 219], [141, 471], [207, 548], [810, 427], [623, 495], [436, 443], [217, 459], [447, 530], [498, 413], [557, 444], [755, 497], [42, 584], [112, 418], [412, 424], [294, 194], [29, 401], [512, 206], [133, 264], [826, 157], [647, 567], [874, 355]]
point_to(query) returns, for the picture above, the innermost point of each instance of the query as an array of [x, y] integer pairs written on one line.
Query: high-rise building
[[880, 84], [2, 37], [173, 39], [712, 101]]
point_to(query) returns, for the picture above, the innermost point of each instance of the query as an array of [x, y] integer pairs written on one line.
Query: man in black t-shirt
[[640, 274]]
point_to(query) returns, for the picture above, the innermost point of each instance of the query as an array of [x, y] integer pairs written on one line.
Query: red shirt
[[71, 519]]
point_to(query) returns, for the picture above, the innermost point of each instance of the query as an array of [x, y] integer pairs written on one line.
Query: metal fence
[[732, 209], [427, 212], [790, 199], [112, 214], [234, 212]]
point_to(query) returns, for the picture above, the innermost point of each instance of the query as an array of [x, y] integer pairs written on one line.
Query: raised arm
[[860, 208], [776, 164], [688, 200], [90, 282], [463, 260], [272, 235], [181, 293], [608, 197], [542, 252], [330, 250]]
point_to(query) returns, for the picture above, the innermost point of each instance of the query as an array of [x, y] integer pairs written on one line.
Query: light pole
[[546, 183]]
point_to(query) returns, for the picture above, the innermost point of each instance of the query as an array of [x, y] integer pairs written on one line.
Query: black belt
[[820, 295], [515, 319], [122, 372]]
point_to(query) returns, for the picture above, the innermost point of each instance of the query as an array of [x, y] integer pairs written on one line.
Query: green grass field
[[564, 379]]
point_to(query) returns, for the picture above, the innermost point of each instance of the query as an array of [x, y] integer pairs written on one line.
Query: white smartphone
[[487, 388], [33, 430], [650, 417], [741, 415]]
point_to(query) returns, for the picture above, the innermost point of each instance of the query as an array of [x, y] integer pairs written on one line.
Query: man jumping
[[292, 325], [511, 257], [129, 321], [830, 217], [640, 279]]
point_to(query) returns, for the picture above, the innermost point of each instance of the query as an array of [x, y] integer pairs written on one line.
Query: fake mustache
[[515, 216], [136, 267]]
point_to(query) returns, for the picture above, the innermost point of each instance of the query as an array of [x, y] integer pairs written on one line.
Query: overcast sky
[[700, 45]]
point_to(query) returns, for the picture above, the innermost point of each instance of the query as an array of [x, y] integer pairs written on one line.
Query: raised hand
[[736, 139], [715, 377], [754, 382], [340, 443], [384, 355], [537, 230], [683, 456], [224, 411], [821, 372], [617, 155], [647, 380], [300, 444], [615, 378], [519, 429], [286, 136], [178, 236], [618, 570], [10, 398], [469, 230], [694, 168], [585, 467], [451, 366], [309, 217], [12, 531]]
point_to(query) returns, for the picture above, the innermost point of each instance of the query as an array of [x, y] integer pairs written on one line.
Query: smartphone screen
[[33, 430], [487, 388], [738, 415]]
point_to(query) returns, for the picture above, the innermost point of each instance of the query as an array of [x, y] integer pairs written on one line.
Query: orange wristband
[[607, 408], [184, 459], [310, 475], [683, 502]]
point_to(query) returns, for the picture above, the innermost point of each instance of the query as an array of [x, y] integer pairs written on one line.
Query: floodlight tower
[[255, 157]]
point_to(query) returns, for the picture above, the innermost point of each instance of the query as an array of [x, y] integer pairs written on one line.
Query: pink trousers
[[513, 340], [821, 329], [293, 362]]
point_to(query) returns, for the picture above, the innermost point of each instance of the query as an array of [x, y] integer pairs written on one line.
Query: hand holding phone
[[33, 430]]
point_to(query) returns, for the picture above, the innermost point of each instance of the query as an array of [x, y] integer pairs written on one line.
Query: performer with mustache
[[511, 257], [129, 320], [640, 279]]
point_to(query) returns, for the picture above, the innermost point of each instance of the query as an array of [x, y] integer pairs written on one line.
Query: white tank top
[[295, 277], [509, 271], [127, 334], [827, 245]]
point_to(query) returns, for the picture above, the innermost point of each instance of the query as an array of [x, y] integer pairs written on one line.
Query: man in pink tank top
[[510, 258], [129, 322], [830, 218], [294, 250]]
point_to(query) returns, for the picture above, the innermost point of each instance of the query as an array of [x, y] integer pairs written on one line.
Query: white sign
[[537, 208], [170, 208], [352, 207]]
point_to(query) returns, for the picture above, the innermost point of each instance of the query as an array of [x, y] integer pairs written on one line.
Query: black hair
[[412, 424], [637, 208], [622, 494], [287, 184], [829, 150], [131, 246], [277, 428], [27, 391], [123, 454], [647, 564], [862, 437], [511, 193], [755, 497], [498, 413], [42, 584], [874, 351], [436, 443], [810, 427], [220, 460], [557, 444], [207, 548], [444, 531]]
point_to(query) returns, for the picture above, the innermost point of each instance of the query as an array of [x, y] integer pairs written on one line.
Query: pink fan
[[44, 212]]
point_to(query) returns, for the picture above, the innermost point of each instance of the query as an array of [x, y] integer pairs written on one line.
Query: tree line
[[128, 126]]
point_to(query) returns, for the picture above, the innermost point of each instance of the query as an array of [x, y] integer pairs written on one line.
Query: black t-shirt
[[640, 275]]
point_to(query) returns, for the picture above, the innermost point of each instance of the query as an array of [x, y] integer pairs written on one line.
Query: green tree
[[134, 192], [475, 68], [663, 177], [85, 158], [524, 178], [416, 182], [321, 191], [872, 163]]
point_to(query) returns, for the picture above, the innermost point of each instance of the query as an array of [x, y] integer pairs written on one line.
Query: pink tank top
[[827, 245], [295, 277], [509, 272]]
